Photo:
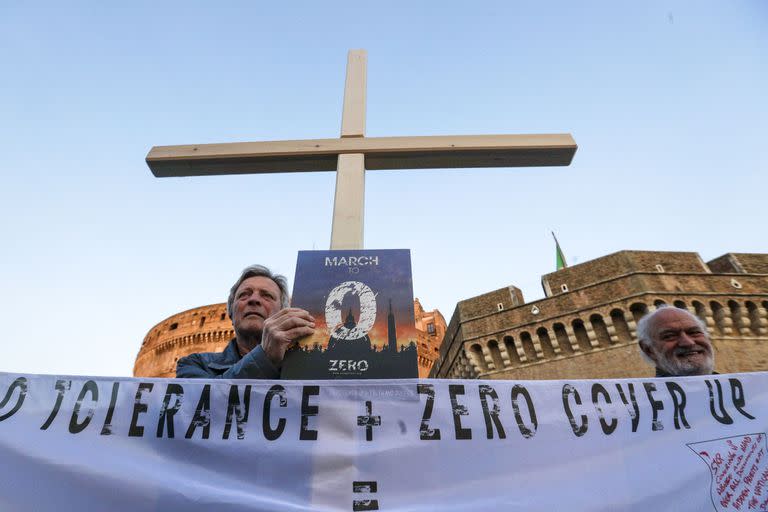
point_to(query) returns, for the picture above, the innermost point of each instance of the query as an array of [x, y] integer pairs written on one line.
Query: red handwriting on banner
[[739, 469]]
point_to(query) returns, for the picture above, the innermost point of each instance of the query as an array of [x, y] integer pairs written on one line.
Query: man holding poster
[[264, 329]]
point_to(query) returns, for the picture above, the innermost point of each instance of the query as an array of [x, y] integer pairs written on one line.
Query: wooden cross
[[353, 152]]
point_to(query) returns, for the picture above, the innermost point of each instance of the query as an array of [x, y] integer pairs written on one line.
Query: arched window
[[509, 344], [493, 348], [754, 317], [528, 348], [545, 342], [621, 326], [601, 331], [562, 338], [581, 335], [638, 310], [701, 310], [477, 357], [718, 313], [736, 316]]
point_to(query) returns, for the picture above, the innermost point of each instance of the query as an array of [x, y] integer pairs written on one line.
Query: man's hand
[[281, 329]]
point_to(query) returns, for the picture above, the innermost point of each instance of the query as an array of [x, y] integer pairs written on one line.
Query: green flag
[[559, 256]]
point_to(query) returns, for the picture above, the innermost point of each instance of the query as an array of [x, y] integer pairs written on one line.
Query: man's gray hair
[[645, 324], [260, 271]]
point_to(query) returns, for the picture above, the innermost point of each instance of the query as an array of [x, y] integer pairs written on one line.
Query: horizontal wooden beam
[[380, 153]]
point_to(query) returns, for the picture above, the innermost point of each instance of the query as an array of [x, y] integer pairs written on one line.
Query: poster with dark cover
[[362, 302]]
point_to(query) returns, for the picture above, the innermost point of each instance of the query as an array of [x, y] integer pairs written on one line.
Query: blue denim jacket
[[227, 365]]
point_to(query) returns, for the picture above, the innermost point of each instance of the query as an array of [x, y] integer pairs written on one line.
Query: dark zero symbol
[[368, 487]]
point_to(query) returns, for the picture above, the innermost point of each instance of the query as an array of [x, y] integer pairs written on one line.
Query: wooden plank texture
[[355, 87], [429, 152], [348, 203]]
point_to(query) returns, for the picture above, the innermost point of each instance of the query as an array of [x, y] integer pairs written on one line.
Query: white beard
[[686, 368]]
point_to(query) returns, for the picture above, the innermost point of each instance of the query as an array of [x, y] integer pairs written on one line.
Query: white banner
[[88, 443]]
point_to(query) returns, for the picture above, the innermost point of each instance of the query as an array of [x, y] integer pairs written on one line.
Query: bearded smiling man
[[264, 329], [676, 342]]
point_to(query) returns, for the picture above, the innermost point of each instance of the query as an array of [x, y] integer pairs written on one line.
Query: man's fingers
[[289, 320], [292, 312], [287, 326], [292, 332], [298, 332]]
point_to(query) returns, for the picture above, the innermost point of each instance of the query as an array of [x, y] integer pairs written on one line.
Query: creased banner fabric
[[126, 444]]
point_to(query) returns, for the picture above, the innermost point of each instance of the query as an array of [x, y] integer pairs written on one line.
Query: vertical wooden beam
[[355, 87], [348, 204], [349, 201]]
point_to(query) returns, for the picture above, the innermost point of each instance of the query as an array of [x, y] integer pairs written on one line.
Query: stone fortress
[[209, 329], [585, 326]]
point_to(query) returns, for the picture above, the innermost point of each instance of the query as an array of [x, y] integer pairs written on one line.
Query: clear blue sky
[[667, 101]]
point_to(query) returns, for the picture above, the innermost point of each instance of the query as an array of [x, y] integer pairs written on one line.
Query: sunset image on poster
[[362, 302]]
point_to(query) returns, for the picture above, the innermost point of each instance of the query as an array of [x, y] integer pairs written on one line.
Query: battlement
[[740, 263], [497, 300], [619, 264]]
